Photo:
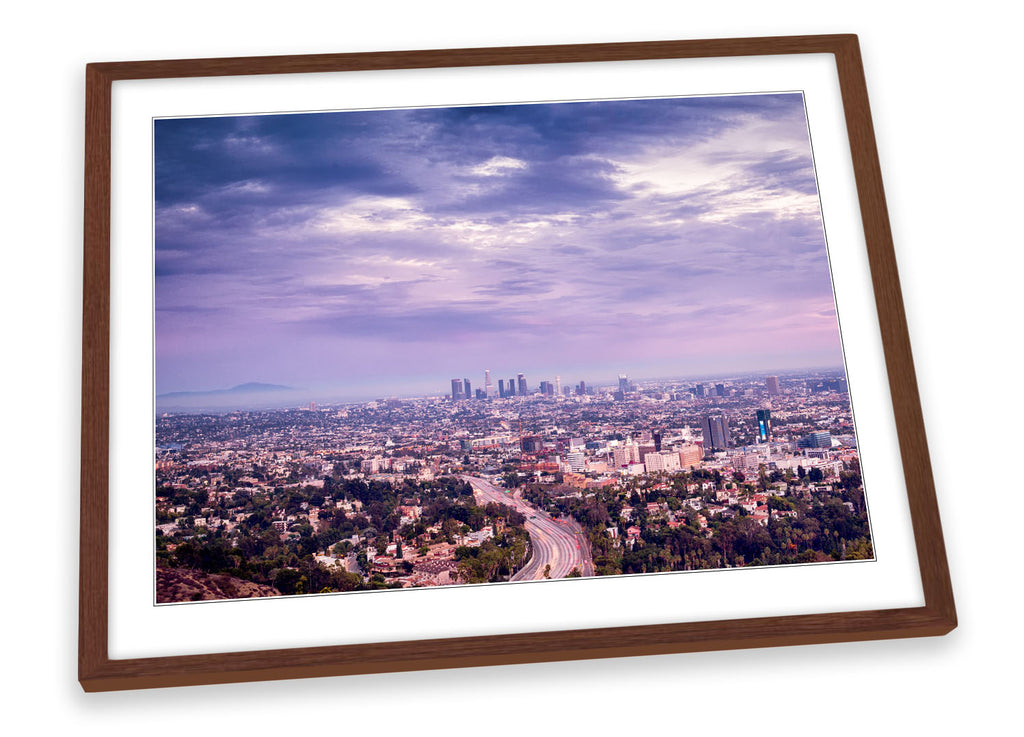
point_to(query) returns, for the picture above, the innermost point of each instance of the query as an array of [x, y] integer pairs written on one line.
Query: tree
[[288, 581]]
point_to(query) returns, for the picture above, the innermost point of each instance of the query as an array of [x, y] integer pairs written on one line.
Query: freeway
[[558, 543]]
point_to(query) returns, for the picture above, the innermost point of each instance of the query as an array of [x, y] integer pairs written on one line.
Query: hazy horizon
[[294, 396], [399, 248]]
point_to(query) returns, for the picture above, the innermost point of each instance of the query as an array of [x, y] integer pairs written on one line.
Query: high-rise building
[[771, 383], [720, 390], [511, 391], [690, 455], [623, 383], [822, 439], [654, 462], [581, 390], [764, 425], [532, 444], [457, 389], [558, 386], [623, 455], [488, 386], [716, 431], [501, 388], [576, 460], [522, 385], [467, 392], [699, 391]]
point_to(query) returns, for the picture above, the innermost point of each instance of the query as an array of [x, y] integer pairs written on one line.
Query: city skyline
[[257, 396], [335, 251]]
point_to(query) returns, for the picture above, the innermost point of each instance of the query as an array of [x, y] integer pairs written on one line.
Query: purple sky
[[365, 253]]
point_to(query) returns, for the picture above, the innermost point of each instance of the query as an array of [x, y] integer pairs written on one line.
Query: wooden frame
[[98, 672]]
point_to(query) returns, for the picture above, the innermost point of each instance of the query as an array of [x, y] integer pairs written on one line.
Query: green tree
[[288, 580]]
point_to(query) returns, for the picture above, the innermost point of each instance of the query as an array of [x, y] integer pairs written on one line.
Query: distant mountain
[[255, 386], [253, 395], [250, 388]]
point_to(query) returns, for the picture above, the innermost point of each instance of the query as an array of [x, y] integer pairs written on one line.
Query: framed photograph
[[430, 359]]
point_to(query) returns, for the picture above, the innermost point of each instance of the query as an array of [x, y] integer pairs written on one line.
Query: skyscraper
[[771, 383], [488, 386], [522, 385], [623, 383], [764, 425], [511, 388], [716, 431], [501, 388], [699, 391], [457, 389], [720, 390], [467, 392]]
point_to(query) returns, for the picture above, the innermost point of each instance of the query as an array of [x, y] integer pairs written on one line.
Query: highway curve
[[560, 544]]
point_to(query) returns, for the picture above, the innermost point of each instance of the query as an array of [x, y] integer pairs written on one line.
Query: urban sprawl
[[508, 483]]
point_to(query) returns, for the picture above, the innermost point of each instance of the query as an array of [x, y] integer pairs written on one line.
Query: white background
[[941, 87]]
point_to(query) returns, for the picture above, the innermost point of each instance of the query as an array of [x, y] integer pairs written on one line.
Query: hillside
[[175, 585]]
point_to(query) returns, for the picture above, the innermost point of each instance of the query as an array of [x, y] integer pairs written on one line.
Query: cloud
[[533, 228], [497, 165]]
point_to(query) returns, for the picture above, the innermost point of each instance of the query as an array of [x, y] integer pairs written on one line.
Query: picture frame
[[99, 671]]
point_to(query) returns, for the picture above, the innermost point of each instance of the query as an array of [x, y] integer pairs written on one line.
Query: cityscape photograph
[[507, 343]]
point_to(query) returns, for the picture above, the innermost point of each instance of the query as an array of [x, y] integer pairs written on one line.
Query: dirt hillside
[[182, 584]]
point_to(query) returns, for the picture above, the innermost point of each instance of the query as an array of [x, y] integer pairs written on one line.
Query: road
[[558, 543]]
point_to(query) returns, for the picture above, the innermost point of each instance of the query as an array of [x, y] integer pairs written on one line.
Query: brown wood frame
[[97, 672]]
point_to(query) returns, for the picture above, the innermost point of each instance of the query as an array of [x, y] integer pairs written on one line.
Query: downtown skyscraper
[[716, 431], [764, 425]]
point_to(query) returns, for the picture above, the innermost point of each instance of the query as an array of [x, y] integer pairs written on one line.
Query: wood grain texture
[[97, 672], [924, 509], [93, 523]]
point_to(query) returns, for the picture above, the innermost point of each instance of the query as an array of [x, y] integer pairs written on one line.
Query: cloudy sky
[[389, 251]]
